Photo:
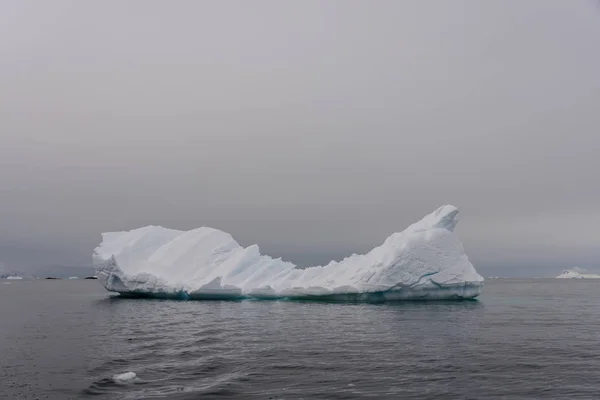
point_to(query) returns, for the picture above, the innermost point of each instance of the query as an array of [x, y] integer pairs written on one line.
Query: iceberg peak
[[445, 217], [425, 261]]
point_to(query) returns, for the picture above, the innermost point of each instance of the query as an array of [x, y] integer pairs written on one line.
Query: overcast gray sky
[[312, 128]]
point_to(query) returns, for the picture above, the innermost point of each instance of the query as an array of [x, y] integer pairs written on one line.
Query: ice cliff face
[[425, 261]]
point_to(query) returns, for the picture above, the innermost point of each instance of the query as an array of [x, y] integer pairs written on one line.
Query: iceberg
[[571, 274], [426, 261]]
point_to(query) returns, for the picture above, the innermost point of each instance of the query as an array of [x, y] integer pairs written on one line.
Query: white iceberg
[[14, 277], [571, 274], [426, 261]]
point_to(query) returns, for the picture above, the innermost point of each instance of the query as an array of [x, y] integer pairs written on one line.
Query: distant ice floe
[[577, 274], [426, 261]]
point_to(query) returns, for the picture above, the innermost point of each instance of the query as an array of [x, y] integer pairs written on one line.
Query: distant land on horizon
[[56, 271]]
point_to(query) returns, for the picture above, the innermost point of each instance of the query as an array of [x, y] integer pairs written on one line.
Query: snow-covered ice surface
[[570, 274], [425, 261]]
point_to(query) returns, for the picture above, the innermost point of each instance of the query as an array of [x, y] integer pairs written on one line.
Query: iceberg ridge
[[425, 261]]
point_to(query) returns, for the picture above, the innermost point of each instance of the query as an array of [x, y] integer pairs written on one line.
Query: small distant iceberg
[[576, 274], [72, 278], [426, 261], [14, 277]]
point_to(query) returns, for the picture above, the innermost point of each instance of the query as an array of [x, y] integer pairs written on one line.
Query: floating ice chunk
[[425, 261], [571, 274], [124, 377]]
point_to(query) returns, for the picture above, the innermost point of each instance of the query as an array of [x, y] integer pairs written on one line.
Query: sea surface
[[523, 339]]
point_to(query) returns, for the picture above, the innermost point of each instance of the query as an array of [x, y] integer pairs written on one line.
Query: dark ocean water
[[524, 339]]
